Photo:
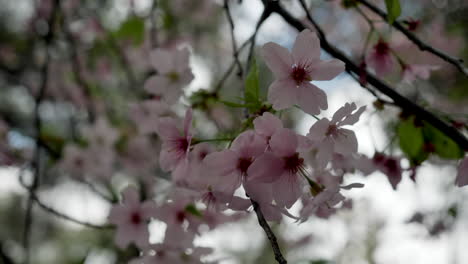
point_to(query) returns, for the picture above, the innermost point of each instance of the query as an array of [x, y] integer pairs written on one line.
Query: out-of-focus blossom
[[173, 73], [175, 141], [131, 218], [390, 166], [146, 114], [414, 71], [294, 71], [380, 58]]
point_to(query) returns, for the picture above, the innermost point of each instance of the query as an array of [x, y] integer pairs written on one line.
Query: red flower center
[[299, 74], [293, 163], [135, 218], [243, 164], [332, 130], [180, 216], [182, 145], [382, 48]]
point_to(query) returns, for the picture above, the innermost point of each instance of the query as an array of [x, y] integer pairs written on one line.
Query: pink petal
[[162, 61], [249, 145], [188, 121], [284, 143], [131, 196], [327, 70], [277, 58], [353, 118], [157, 85], [267, 124], [266, 168], [181, 59], [318, 130], [341, 113], [287, 190], [462, 175], [221, 163], [306, 47], [167, 129], [282, 94], [311, 99], [325, 152], [346, 142]]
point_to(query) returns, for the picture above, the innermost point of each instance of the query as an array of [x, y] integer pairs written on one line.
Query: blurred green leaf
[[393, 10], [133, 28], [193, 210], [411, 140], [444, 146], [252, 88]]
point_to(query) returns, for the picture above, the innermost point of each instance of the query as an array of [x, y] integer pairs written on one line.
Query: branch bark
[[271, 236]]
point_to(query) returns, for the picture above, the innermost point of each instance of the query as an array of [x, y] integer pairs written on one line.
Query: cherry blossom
[[414, 71], [294, 71], [380, 58], [131, 218], [282, 167], [173, 73], [175, 142], [231, 165], [329, 137]]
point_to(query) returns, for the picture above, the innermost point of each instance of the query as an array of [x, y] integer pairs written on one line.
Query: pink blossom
[[329, 136], [390, 166], [281, 167], [173, 73], [380, 58], [146, 114], [175, 143], [294, 71], [101, 133], [231, 166], [131, 218], [414, 71], [266, 125], [462, 175]]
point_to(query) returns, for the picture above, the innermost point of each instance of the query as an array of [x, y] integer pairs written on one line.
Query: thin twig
[[43, 206], [380, 85], [271, 236], [233, 38], [38, 124], [458, 63]]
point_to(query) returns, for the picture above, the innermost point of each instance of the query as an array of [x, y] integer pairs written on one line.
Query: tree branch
[[381, 86], [458, 63], [233, 37], [38, 124], [271, 236]]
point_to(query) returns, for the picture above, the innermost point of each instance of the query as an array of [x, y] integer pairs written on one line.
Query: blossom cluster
[[266, 162]]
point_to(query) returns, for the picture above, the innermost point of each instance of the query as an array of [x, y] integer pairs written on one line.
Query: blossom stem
[[271, 236]]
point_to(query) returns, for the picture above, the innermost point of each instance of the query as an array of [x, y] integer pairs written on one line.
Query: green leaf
[[444, 146], [411, 140], [133, 28], [237, 105], [393, 10], [193, 210], [252, 87]]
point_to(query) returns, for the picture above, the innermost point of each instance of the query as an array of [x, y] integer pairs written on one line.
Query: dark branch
[[38, 124], [458, 63], [271, 236], [351, 67], [233, 37]]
